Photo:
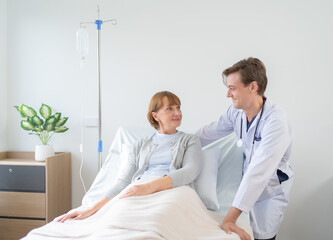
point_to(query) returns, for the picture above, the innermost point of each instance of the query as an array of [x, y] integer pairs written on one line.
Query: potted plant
[[43, 128]]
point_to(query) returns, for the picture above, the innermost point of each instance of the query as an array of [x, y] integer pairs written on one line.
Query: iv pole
[[99, 23]]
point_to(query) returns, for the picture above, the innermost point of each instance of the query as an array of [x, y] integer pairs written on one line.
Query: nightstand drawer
[[17, 228], [22, 178], [23, 205]]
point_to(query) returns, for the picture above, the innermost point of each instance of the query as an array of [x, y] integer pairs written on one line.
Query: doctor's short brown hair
[[156, 103], [250, 70]]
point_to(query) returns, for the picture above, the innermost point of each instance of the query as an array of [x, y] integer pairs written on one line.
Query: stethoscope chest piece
[[240, 143]]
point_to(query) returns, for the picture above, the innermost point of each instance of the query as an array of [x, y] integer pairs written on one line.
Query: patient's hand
[[137, 190], [77, 215], [157, 185]]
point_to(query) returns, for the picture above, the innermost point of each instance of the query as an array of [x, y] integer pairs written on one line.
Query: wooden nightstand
[[32, 193]]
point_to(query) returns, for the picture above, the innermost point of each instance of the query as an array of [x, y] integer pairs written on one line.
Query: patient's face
[[169, 117]]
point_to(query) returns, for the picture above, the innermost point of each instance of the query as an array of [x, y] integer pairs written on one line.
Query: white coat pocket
[[273, 188]]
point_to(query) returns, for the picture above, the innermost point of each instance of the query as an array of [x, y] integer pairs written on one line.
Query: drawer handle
[[10, 170]]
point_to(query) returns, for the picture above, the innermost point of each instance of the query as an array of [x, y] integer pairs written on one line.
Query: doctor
[[265, 137]]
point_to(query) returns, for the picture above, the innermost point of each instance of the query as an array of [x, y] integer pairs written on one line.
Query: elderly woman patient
[[173, 156]]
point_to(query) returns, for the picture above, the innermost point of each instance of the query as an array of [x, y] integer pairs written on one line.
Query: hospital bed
[[216, 187]]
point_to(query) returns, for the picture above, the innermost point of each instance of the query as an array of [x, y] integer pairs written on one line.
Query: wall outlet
[[90, 122]]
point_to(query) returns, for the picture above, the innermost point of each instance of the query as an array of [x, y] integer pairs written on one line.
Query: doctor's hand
[[137, 190], [229, 224], [230, 227]]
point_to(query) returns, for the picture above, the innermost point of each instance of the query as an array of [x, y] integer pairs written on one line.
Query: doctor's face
[[238, 92], [169, 117]]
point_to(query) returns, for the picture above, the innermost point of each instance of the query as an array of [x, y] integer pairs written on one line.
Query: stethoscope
[[255, 138]]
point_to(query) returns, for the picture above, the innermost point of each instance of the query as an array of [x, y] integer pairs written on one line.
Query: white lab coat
[[260, 192]]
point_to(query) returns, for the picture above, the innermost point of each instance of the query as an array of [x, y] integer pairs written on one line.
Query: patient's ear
[[154, 114]]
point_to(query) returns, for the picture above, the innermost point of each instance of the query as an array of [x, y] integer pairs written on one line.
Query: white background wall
[[3, 75], [180, 46]]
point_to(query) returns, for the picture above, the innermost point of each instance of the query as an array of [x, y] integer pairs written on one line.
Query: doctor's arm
[[275, 141], [264, 164], [218, 129]]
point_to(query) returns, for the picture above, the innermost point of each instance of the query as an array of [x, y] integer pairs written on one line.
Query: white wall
[[181, 46], [3, 75]]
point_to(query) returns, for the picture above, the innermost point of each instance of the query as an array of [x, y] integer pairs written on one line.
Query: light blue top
[[160, 159]]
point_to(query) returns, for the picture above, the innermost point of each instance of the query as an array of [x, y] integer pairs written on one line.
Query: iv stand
[[99, 23]]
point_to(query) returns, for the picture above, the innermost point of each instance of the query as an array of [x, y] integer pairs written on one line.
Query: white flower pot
[[43, 151]]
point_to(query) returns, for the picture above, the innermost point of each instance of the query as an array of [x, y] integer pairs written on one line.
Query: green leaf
[[49, 127], [38, 129], [57, 116], [61, 122], [61, 129], [26, 125], [28, 111], [45, 111], [29, 119], [19, 109], [51, 119], [37, 121]]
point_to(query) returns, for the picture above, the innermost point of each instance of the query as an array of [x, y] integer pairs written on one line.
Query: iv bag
[[82, 42]]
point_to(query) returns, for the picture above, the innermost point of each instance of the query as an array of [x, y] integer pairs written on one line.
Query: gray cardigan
[[186, 164]]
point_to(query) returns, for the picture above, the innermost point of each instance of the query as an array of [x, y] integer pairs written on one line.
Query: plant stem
[[44, 136]]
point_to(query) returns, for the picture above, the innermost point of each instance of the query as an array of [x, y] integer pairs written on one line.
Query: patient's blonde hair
[[156, 103]]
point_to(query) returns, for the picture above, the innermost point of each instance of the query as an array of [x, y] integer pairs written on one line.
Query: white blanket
[[174, 214]]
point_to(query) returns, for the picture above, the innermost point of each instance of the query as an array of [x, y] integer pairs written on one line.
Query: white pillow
[[205, 184], [125, 136], [124, 154]]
